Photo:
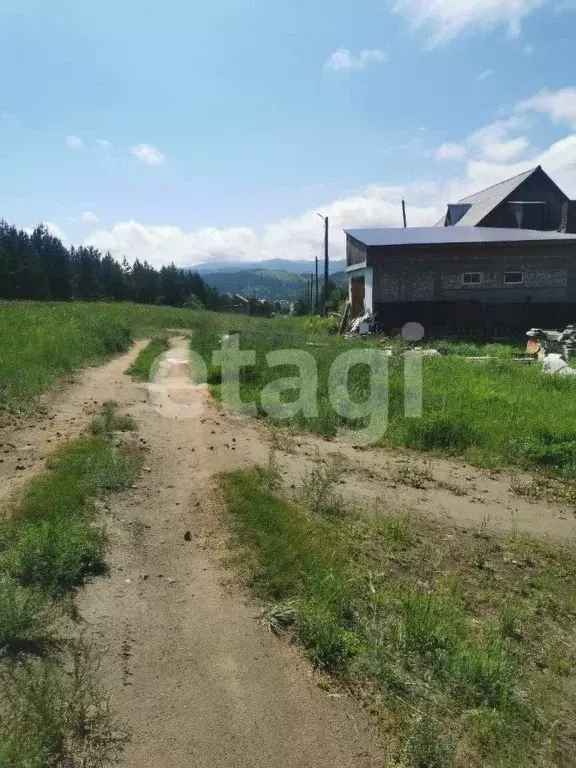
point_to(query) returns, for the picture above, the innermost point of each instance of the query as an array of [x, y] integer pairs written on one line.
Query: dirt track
[[186, 664]]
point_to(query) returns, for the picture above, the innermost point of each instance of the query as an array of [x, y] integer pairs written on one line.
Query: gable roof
[[481, 203]]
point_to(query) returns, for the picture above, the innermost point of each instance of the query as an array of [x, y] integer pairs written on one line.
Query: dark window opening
[[472, 278], [513, 278]]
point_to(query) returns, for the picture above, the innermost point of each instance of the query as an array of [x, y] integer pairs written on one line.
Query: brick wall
[[412, 275]]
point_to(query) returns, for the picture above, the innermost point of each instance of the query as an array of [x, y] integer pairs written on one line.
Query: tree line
[[38, 266]]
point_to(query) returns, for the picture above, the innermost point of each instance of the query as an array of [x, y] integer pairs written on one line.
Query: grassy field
[[460, 644], [52, 711], [40, 342], [497, 413]]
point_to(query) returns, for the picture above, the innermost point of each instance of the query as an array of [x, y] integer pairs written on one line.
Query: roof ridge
[[499, 183]]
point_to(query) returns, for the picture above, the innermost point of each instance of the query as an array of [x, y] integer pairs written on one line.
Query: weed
[[278, 616], [318, 491], [54, 714], [53, 496], [413, 475], [424, 746], [271, 475], [24, 615], [110, 421], [395, 529], [51, 712]]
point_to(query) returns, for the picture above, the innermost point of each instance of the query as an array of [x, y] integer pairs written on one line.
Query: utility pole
[[310, 284], [317, 292], [326, 261], [404, 212]]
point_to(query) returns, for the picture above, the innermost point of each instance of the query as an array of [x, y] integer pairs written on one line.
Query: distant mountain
[[273, 284], [284, 265]]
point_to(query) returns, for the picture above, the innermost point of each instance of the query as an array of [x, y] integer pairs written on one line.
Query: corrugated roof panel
[[482, 203], [453, 236]]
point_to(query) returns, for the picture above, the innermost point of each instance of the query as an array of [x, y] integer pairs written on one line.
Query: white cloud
[[73, 142], [559, 106], [450, 152], [491, 154], [295, 238], [89, 217], [55, 230], [148, 154], [104, 143], [445, 20], [376, 205], [495, 141], [344, 60], [485, 75]]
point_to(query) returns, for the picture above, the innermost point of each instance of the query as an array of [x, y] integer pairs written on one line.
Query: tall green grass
[[51, 709], [444, 636], [495, 413], [40, 342]]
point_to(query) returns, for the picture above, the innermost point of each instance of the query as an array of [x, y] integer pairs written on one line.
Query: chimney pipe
[[564, 217]]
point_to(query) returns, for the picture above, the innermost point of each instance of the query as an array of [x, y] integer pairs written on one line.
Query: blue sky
[[180, 131]]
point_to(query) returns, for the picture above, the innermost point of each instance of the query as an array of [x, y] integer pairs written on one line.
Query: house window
[[513, 278], [472, 278]]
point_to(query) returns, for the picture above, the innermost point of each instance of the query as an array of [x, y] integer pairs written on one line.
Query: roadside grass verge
[[141, 367], [463, 645], [51, 710]]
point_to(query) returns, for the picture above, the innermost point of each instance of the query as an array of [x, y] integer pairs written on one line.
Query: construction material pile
[[554, 349]]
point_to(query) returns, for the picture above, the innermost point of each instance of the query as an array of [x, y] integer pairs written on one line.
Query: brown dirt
[[186, 664]]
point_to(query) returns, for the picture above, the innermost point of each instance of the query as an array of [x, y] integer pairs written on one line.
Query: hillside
[[274, 284], [284, 265]]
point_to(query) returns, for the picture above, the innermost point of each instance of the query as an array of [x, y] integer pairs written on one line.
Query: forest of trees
[[38, 266]]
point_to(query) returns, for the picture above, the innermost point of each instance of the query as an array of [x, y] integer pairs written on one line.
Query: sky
[[181, 132]]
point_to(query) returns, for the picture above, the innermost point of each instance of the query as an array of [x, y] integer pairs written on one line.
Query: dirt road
[[187, 666], [25, 444], [185, 663]]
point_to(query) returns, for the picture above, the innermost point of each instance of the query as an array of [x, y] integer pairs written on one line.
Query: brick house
[[476, 271]]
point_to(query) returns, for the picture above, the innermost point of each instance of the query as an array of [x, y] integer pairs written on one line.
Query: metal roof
[[453, 236], [482, 203]]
